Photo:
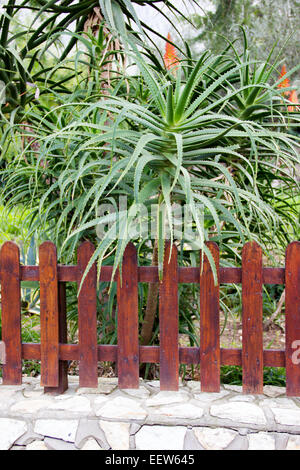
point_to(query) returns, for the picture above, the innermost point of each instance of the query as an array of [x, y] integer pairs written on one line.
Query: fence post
[[11, 313], [252, 306], [49, 315], [128, 321], [63, 338], [168, 322], [292, 318], [87, 318], [210, 322]]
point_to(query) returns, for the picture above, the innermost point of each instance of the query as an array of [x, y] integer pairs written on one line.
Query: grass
[[13, 224], [232, 375]]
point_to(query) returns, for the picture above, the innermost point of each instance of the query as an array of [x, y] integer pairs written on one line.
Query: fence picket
[[87, 318], [209, 323], [128, 321], [252, 322], [11, 313], [168, 322], [49, 315], [63, 338], [54, 351], [292, 319]]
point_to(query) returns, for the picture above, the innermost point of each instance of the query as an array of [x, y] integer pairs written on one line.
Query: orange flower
[[170, 58], [293, 98], [285, 83]]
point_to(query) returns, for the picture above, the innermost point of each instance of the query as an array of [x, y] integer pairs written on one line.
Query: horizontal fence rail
[[54, 352]]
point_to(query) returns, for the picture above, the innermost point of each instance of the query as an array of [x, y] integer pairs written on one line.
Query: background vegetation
[[94, 111], [265, 20]]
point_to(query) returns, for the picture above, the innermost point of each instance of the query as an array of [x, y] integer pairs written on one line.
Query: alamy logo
[[2, 92], [296, 354], [142, 221]]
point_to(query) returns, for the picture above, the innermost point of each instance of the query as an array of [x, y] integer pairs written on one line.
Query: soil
[[231, 334], [273, 337], [231, 337]]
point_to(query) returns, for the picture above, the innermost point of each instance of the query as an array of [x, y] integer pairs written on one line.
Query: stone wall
[[109, 418]]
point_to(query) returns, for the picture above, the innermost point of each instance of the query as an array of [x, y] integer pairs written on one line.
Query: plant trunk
[[151, 307]]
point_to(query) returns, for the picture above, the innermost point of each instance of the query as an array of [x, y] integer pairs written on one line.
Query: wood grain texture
[[128, 321], [11, 313], [87, 318], [49, 315], [292, 319], [54, 352], [252, 322], [150, 354], [209, 322], [63, 338], [150, 274], [168, 322]]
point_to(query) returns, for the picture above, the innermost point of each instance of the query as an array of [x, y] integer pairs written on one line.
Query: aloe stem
[[151, 307]]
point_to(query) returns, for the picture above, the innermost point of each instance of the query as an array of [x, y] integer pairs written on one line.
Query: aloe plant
[[213, 135], [27, 60]]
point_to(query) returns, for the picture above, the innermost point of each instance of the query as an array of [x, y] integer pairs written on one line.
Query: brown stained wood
[[64, 273], [231, 356], [63, 338], [252, 321], [150, 274], [168, 322], [274, 358], [189, 355], [150, 354], [271, 357], [128, 321], [209, 323], [30, 273], [49, 315], [273, 275], [184, 355], [11, 313], [292, 319], [87, 318]]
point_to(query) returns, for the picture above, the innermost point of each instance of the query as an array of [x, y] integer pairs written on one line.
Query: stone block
[[117, 434], [239, 412], [57, 428], [10, 431], [160, 438], [214, 438]]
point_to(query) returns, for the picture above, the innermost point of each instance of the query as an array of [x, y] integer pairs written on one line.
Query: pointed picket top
[[252, 318], [168, 321], [87, 316], [210, 321], [49, 315], [128, 320], [292, 318], [11, 312]]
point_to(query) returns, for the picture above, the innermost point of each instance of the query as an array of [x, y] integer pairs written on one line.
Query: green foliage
[[233, 375], [265, 20], [33, 57], [214, 135], [14, 224]]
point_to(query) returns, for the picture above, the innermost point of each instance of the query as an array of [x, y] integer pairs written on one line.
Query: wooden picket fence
[[54, 352]]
